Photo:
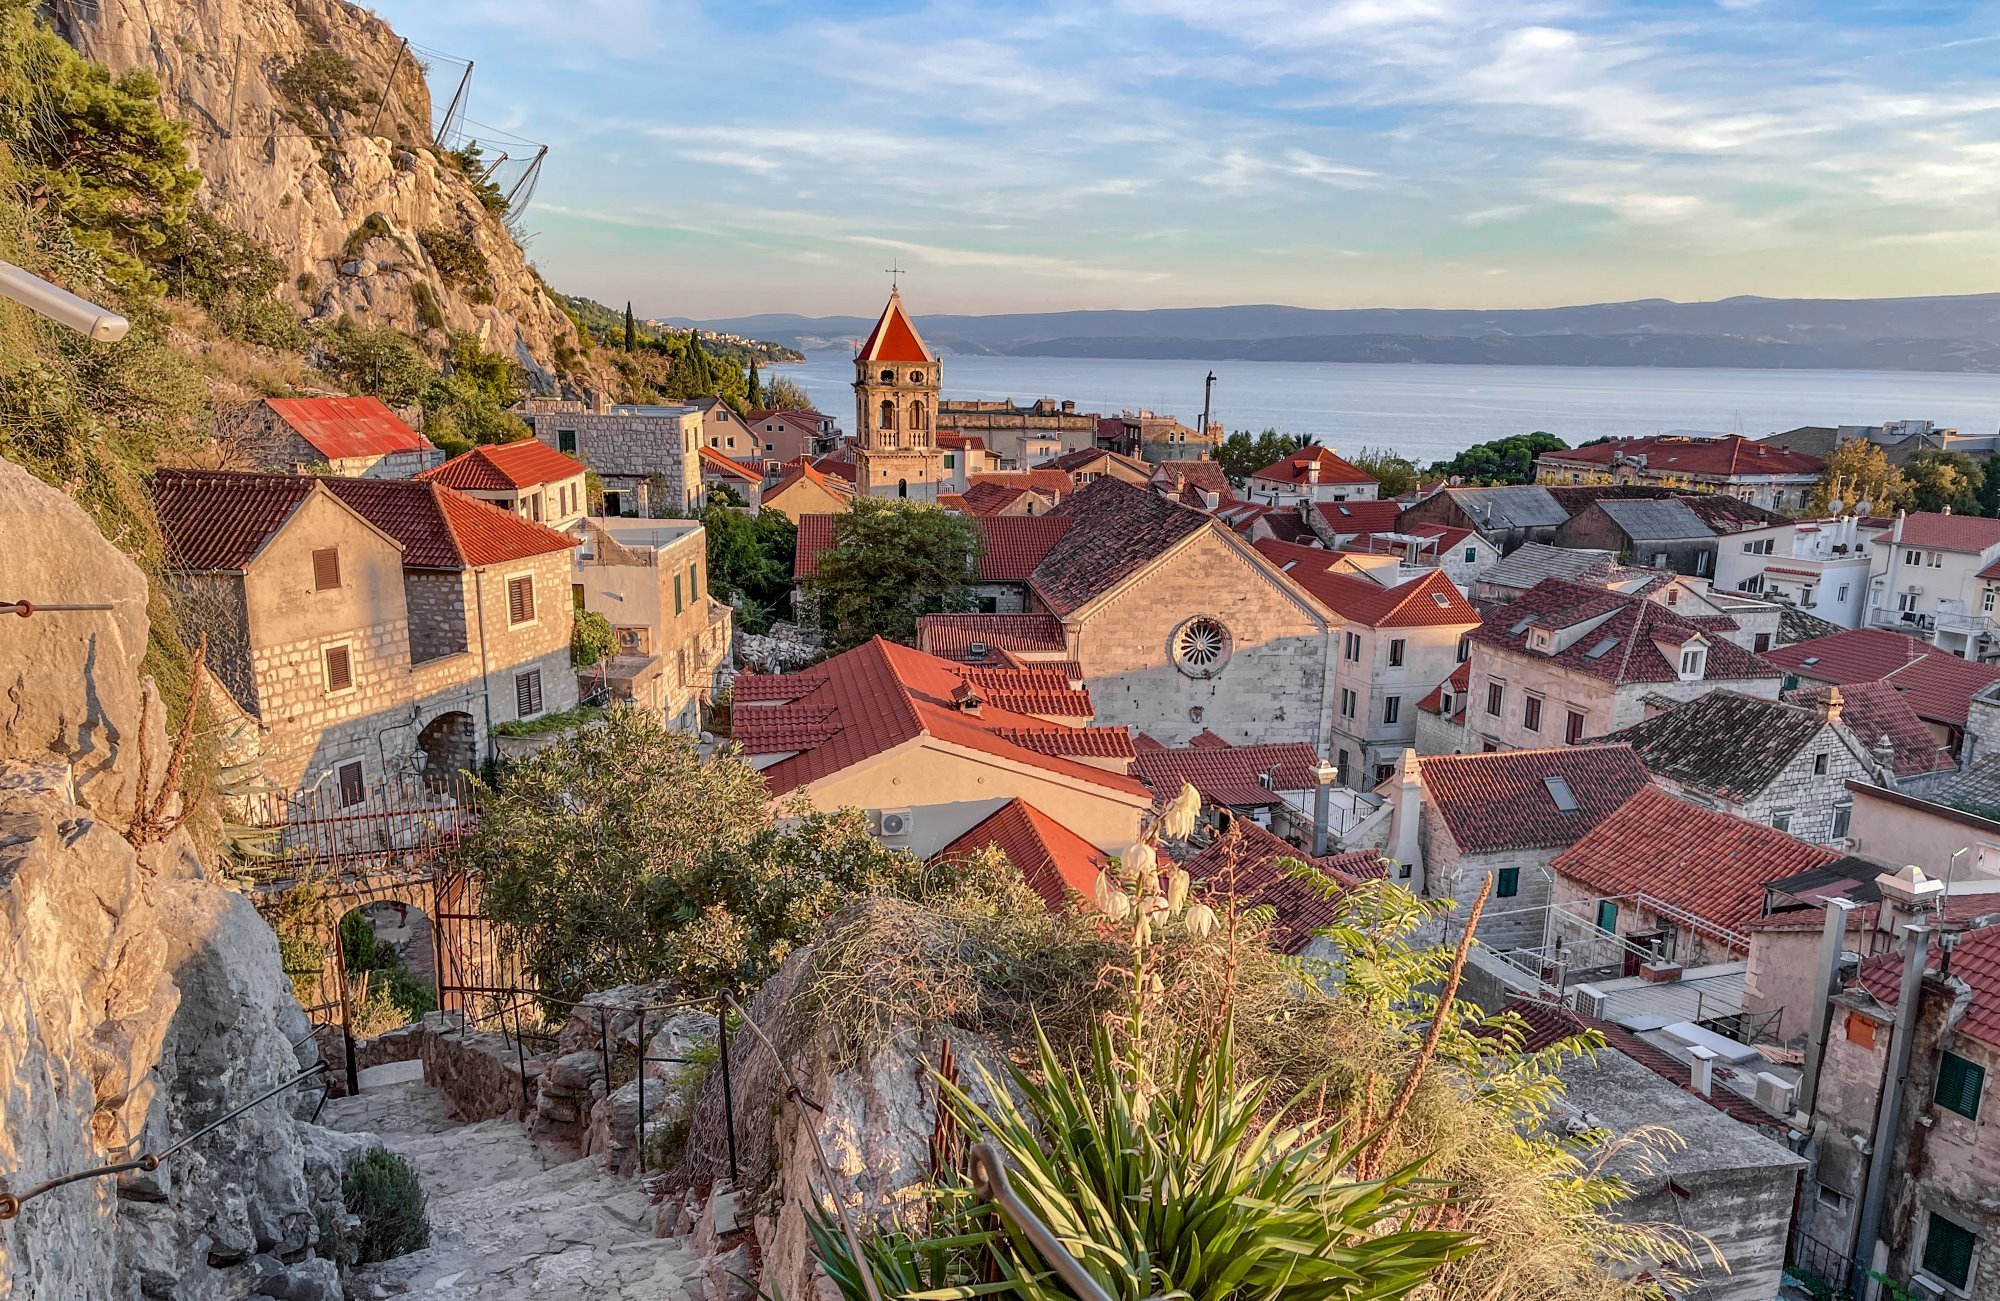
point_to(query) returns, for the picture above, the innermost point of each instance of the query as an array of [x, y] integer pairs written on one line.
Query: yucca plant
[[1207, 1191]]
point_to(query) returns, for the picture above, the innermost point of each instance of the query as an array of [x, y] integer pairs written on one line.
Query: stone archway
[[449, 744]]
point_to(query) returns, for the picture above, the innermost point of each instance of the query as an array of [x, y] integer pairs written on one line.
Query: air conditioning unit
[[1774, 1094], [1588, 1000], [1915, 589], [895, 824]]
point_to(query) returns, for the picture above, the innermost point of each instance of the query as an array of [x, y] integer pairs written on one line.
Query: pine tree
[[631, 331], [1989, 488], [755, 395]]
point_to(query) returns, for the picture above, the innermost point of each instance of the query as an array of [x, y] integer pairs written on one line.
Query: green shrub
[[429, 311], [319, 78], [591, 639], [373, 227], [382, 1190], [459, 260]]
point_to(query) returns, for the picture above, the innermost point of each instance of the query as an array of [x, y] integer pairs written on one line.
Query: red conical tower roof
[[894, 339]]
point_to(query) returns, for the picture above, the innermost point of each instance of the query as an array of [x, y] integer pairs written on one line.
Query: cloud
[[1026, 263]]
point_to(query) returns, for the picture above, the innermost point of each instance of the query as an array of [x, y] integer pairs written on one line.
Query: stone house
[[1312, 474], [1677, 881], [726, 432], [531, 480], [357, 437], [931, 748], [1093, 463], [965, 455], [1731, 1178], [790, 435], [1155, 438], [1772, 476], [1937, 576], [1939, 686], [1939, 1227], [1451, 821], [1021, 434], [648, 457], [649, 578], [1518, 572], [368, 629], [718, 471], [1784, 765], [1396, 643], [1510, 515], [1662, 534], [1566, 661], [803, 491]]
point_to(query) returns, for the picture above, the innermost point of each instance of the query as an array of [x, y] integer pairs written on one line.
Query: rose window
[[1200, 647]]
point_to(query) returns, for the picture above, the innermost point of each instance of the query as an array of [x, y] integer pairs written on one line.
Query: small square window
[[1782, 820], [1507, 882]]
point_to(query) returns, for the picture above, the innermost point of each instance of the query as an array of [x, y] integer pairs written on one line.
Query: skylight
[[1560, 792], [1808, 661], [1518, 628], [1440, 599], [1601, 649]]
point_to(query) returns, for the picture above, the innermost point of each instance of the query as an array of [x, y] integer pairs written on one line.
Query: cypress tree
[[631, 332], [756, 390], [1989, 488]]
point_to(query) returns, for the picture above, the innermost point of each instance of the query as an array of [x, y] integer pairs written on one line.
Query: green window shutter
[[1959, 1083], [1508, 883], [677, 593], [1948, 1251], [1607, 916]]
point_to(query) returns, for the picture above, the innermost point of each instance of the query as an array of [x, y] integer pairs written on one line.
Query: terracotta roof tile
[[1505, 800], [1458, 683], [880, 695], [1055, 484], [1975, 959], [1296, 468], [799, 471], [1873, 710], [1728, 456], [1035, 690], [1052, 859], [1076, 742], [339, 428], [895, 338], [952, 635], [1704, 862], [217, 523], [1938, 685], [1432, 601], [1624, 647], [1264, 876], [1940, 532], [1348, 517], [1229, 774], [714, 462], [501, 467], [1117, 529], [1178, 475]]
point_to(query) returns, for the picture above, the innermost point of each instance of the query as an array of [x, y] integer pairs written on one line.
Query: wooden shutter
[[339, 669], [520, 600], [528, 693], [351, 789], [1948, 1251], [326, 569], [1959, 1084]]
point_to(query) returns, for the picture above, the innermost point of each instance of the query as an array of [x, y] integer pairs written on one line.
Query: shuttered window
[[351, 790], [520, 600], [528, 693], [326, 569], [339, 669], [1948, 1251], [1959, 1083], [1507, 882]]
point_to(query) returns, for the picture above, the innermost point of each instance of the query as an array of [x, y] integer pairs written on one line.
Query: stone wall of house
[[631, 447], [1514, 922], [437, 610], [214, 605], [1690, 948], [539, 645], [1371, 742], [1276, 684], [1807, 800], [1606, 707]]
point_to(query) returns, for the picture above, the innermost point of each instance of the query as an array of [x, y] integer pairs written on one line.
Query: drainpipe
[[1890, 1114], [1832, 939], [485, 683]]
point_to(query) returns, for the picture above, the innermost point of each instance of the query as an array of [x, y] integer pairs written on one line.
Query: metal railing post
[[521, 1063], [640, 1140], [728, 1100]]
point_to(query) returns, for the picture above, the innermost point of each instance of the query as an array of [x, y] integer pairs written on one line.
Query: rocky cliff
[[311, 125], [139, 999]]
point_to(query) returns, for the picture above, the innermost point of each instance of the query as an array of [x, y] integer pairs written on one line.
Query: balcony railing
[[1970, 623]]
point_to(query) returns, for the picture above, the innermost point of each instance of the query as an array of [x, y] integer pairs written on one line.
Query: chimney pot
[[1701, 1070]]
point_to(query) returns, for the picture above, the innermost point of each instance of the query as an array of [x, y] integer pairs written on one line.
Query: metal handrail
[[11, 1203], [989, 1180]]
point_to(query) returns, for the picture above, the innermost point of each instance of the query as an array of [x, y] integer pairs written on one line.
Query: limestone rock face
[[138, 998], [336, 173]]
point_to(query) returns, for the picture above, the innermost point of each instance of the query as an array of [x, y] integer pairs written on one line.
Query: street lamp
[[59, 304]]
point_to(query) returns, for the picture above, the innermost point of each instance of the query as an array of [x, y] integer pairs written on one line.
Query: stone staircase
[[510, 1220]]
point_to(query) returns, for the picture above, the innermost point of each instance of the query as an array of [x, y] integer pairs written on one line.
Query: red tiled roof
[[1459, 682], [952, 635], [1938, 685], [952, 503], [837, 465], [218, 519], [1052, 859], [1086, 458], [1873, 710], [1345, 517], [1050, 483], [1228, 775], [339, 428], [1207, 739], [894, 338], [798, 471], [879, 695], [1076, 742], [1975, 959], [806, 422], [502, 467], [1118, 529], [1633, 630], [1039, 690], [1208, 475], [1936, 531], [1503, 801], [1432, 601], [715, 462], [1704, 862], [1263, 877], [984, 499], [1725, 457], [1295, 468]]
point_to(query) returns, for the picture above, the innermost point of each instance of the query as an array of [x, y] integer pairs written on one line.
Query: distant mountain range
[[1958, 333]]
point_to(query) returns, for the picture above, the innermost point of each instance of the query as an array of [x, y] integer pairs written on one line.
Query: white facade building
[[1820, 566]]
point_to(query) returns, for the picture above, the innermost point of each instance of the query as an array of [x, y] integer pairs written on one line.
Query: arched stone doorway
[[388, 957], [449, 744]]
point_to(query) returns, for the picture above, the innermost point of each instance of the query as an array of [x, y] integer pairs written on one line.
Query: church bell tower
[[895, 410]]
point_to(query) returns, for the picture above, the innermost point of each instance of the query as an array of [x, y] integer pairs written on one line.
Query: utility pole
[[1207, 390]]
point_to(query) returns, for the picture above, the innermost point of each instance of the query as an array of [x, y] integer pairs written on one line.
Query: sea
[[1429, 412]]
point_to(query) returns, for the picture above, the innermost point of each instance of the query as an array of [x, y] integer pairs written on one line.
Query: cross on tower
[[895, 272]]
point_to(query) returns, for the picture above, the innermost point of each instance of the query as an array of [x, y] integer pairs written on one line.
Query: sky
[[723, 159]]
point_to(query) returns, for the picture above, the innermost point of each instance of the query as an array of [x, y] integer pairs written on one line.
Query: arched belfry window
[[888, 413], [888, 377], [916, 415]]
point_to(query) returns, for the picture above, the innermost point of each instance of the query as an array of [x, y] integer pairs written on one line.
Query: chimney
[[965, 699], [600, 402], [1324, 777], [1834, 701], [1312, 473], [1947, 508], [1905, 894], [1407, 802], [1701, 1069]]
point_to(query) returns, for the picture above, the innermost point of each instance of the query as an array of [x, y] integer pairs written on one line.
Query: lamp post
[[59, 304]]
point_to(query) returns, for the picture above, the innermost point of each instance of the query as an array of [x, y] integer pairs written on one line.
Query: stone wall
[[437, 608], [479, 1074], [632, 446]]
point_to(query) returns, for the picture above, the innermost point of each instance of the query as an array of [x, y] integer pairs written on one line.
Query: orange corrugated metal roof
[[339, 428]]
